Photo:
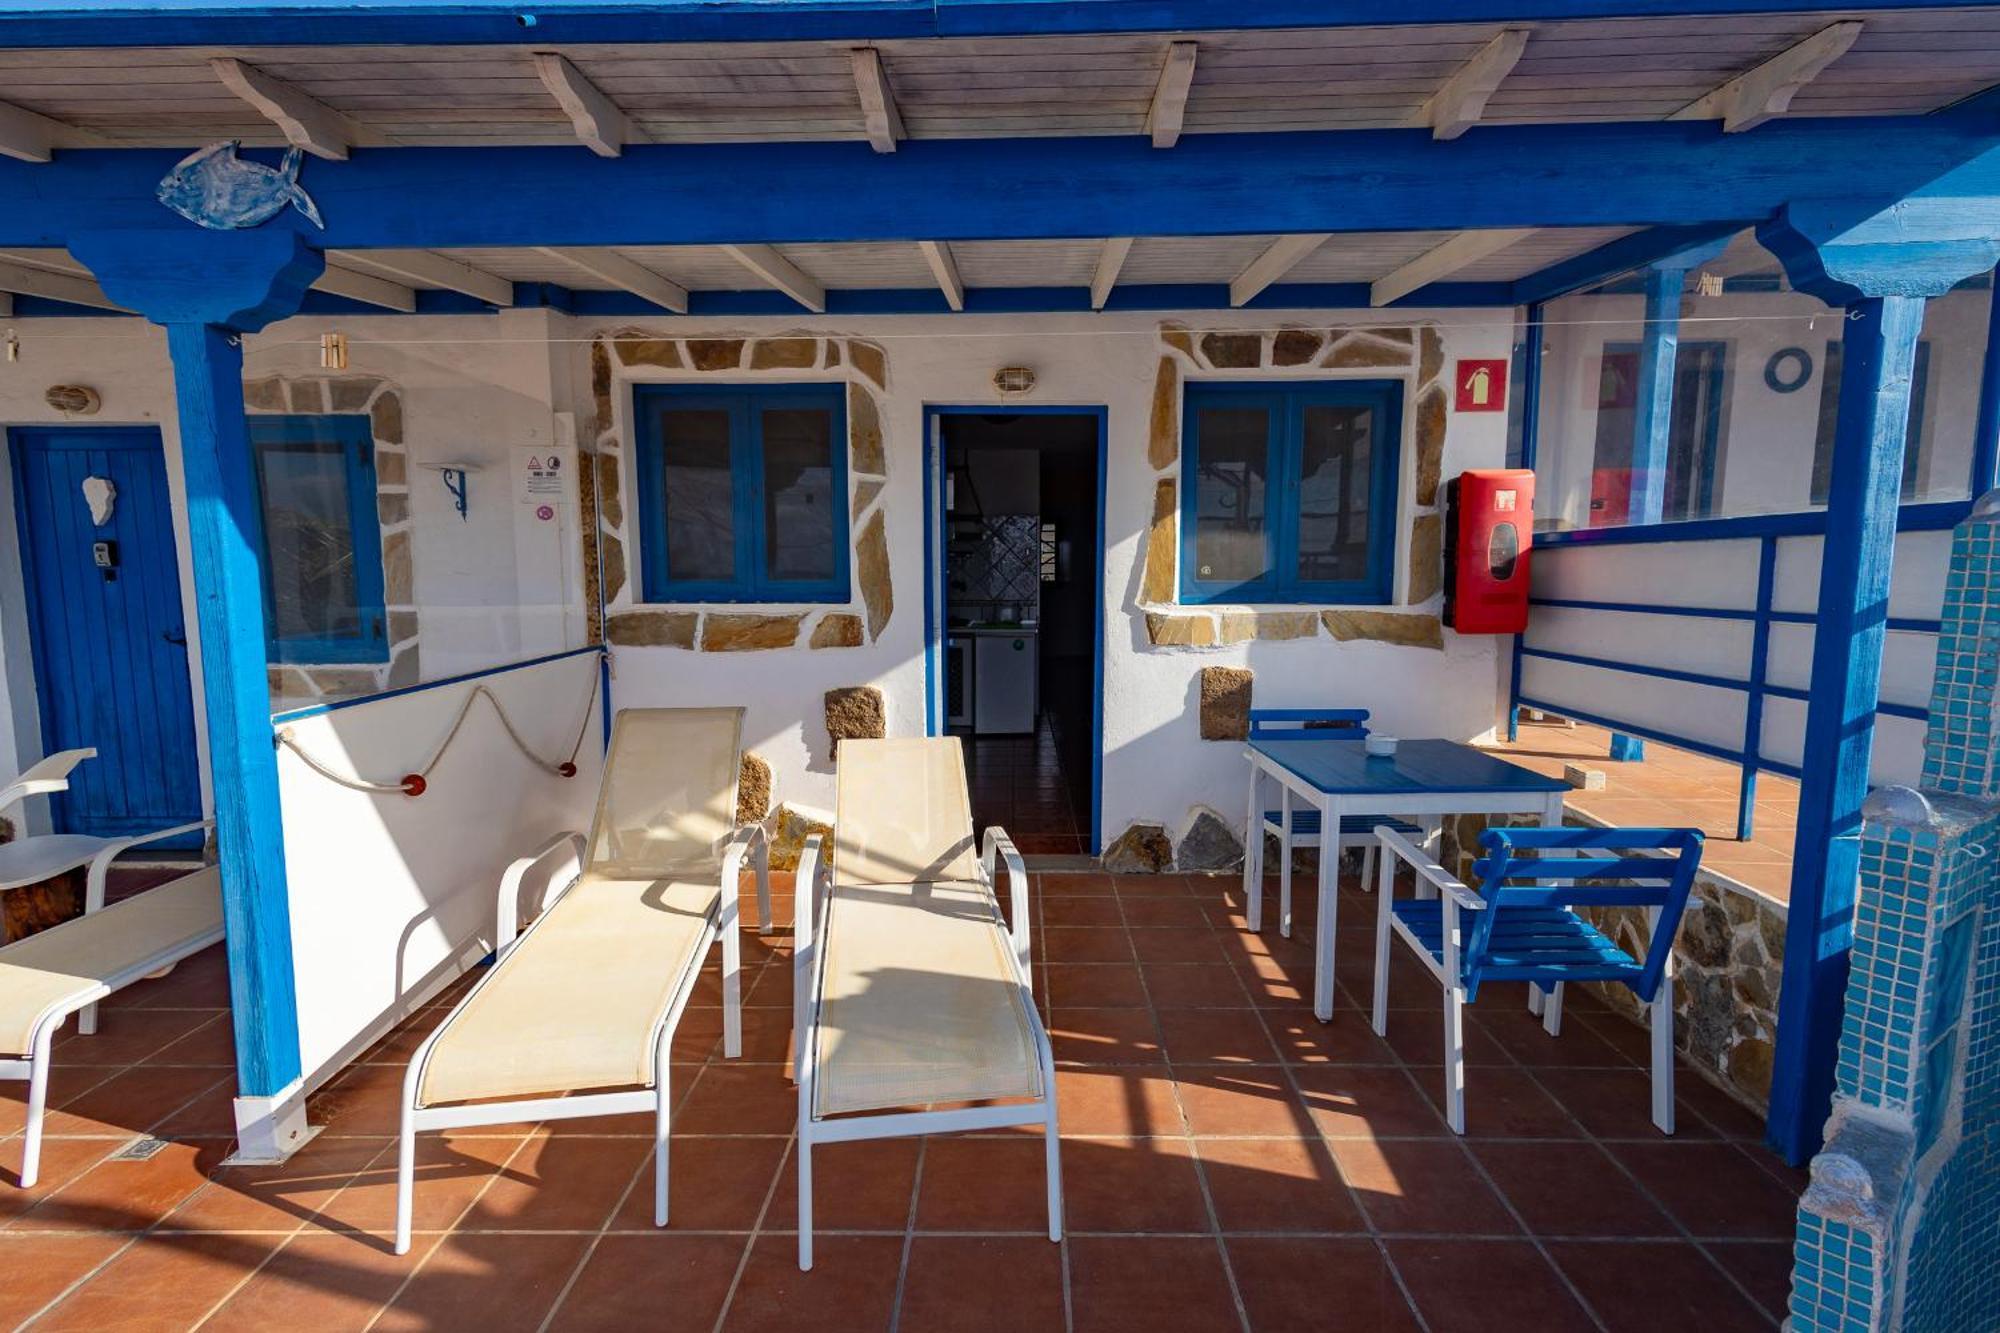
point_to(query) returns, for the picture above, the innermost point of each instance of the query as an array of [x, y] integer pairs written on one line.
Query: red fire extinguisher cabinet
[[1489, 528]]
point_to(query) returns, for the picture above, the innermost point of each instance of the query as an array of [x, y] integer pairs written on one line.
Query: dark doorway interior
[[1020, 575]]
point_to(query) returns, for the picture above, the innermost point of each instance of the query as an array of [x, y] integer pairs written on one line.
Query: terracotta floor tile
[[129, 1195], [1163, 911], [1642, 1288], [40, 1268], [862, 1186], [767, 1036], [667, 1282], [1276, 1185], [1416, 1185], [714, 1184], [132, 1102], [161, 1282], [1302, 1039], [1086, 944], [453, 1168], [1570, 1189], [563, 1184], [1179, 944], [1153, 886], [320, 1280], [1095, 985], [200, 982], [1763, 1267], [1618, 1103], [972, 1284], [1712, 1189], [1241, 1100], [1073, 884], [1105, 1037], [1367, 1101], [1216, 1036], [1118, 1102], [365, 1100], [124, 1037], [1081, 911], [492, 1283], [1521, 1035], [851, 1288], [737, 1098], [1417, 1038], [1133, 1185], [1131, 1284], [276, 1198], [66, 1083], [985, 1184], [212, 1115], [1309, 1285], [1195, 986], [1486, 1286], [63, 1160], [1503, 1104]]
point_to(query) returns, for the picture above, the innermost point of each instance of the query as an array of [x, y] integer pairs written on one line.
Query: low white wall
[[392, 896]]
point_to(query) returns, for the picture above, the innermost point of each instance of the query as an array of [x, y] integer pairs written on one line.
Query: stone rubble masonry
[[1225, 703], [793, 824], [753, 789], [1208, 845], [1142, 849], [731, 632], [854, 713]]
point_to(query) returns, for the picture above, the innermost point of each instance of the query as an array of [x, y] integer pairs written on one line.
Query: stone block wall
[[1900, 1224]]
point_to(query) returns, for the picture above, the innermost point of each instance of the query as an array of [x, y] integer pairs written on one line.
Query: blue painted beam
[[31, 23], [949, 190], [1653, 409], [1607, 261]]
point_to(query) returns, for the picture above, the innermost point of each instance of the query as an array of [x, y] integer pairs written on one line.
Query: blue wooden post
[[1881, 269], [207, 289], [1653, 411], [1986, 426], [1531, 448]]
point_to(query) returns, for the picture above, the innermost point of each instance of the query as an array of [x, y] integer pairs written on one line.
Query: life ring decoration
[[1788, 370]]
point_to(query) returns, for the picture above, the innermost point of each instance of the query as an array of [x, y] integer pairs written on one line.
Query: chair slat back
[[668, 799], [902, 812], [1634, 867], [1308, 724]]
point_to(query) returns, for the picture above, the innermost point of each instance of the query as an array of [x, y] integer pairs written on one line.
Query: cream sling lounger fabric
[[911, 992], [576, 1015], [67, 969]]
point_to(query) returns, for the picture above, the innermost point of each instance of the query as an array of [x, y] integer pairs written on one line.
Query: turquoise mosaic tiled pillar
[[1900, 1228]]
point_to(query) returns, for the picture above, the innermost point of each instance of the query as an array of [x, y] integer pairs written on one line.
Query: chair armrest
[[507, 911], [100, 864], [44, 777], [1427, 867], [998, 843]]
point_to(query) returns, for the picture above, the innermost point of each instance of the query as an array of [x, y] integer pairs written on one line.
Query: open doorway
[[1019, 586]]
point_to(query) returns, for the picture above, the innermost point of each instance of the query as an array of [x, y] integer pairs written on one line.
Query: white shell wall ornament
[[213, 187], [101, 495]]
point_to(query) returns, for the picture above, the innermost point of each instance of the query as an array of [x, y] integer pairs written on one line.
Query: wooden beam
[[614, 268], [1277, 260], [6, 306], [878, 100], [23, 279], [427, 268], [780, 272], [1458, 105], [1468, 247], [1170, 97], [1756, 95], [305, 121], [28, 135], [601, 125], [358, 286], [938, 255], [1109, 261]]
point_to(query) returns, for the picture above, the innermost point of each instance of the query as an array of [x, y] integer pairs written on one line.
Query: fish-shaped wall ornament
[[215, 188]]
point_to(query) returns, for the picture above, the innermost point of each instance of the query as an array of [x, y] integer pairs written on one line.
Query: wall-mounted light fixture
[[1014, 379]]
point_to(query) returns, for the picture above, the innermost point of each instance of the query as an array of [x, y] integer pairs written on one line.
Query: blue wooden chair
[[1300, 828], [1520, 925]]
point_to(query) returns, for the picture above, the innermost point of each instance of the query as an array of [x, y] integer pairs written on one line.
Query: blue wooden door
[[110, 645]]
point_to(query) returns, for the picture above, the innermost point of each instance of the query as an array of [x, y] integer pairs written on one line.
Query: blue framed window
[[1289, 491], [321, 538], [743, 493]]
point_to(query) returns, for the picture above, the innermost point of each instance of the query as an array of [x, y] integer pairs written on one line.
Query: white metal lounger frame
[[809, 967], [625, 1101], [35, 1069]]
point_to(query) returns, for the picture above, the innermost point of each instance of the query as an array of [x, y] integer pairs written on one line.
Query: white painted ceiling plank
[[782, 273], [1276, 261], [1756, 95], [614, 268], [359, 286], [1468, 247], [878, 100], [601, 124], [1109, 261], [1170, 96], [21, 280], [427, 268], [1458, 105], [938, 255], [305, 121]]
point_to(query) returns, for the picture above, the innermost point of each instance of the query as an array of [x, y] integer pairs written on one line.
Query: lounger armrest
[[100, 865], [998, 842], [44, 777], [1426, 867], [507, 911], [805, 937]]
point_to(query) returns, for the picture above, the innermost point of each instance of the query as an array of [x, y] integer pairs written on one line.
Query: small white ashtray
[[1380, 746]]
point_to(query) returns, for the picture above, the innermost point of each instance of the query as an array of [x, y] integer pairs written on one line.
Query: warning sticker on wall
[[541, 479]]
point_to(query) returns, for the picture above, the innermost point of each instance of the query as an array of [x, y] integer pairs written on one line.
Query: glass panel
[[799, 521], [1232, 446], [309, 541], [1334, 463], [700, 494], [1917, 460]]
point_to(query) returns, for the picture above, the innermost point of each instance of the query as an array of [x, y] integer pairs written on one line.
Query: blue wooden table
[[1426, 779]]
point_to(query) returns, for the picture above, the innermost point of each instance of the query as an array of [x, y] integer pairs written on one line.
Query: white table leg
[[1253, 859], [1329, 905]]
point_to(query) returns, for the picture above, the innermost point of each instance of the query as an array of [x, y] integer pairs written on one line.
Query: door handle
[[178, 638]]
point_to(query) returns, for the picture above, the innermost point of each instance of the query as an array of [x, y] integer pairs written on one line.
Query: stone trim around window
[[381, 401], [631, 356], [1419, 624]]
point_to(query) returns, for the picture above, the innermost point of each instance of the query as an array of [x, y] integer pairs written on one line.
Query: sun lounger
[[914, 1012], [67, 969], [577, 1014]]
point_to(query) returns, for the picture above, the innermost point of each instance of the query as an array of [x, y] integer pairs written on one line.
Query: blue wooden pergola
[[1873, 214]]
